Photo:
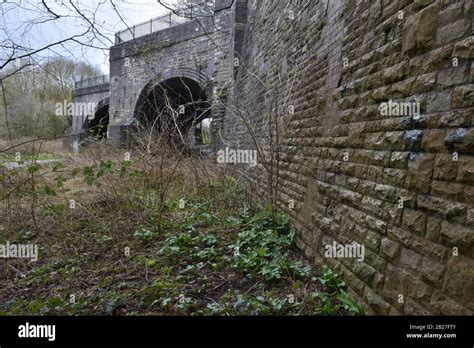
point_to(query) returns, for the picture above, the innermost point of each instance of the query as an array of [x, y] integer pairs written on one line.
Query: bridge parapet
[[93, 81], [148, 27], [94, 85]]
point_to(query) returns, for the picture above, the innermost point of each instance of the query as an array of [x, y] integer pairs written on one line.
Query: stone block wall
[[400, 184]]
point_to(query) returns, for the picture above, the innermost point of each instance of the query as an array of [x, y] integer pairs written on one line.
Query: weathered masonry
[[91, 107], [379, 148], [150, 57], [399, 182]]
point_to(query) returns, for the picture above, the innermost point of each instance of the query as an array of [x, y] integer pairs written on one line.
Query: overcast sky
[[28, 23]]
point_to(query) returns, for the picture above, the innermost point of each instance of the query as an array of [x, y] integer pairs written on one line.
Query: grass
[[5, 158], [43, 150], [119, 251]]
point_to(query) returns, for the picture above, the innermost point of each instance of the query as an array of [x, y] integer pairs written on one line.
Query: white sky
[[16, 19]]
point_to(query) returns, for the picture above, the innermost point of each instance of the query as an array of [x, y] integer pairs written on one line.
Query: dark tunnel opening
[[174, 110], [96, 127]]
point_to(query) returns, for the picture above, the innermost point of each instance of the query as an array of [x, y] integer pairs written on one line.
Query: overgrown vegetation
[[29, 97], [118, 250]]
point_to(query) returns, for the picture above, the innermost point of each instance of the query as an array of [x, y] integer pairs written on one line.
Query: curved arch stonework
[[143, 88], [101, 104], [185, 74], [204, 82], [203, 79], [189, 94], [193, 50]]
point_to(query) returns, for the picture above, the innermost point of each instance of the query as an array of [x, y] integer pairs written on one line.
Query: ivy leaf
[[59, 181], [49, 191], [57, 166], [33, 168], [124, 166]]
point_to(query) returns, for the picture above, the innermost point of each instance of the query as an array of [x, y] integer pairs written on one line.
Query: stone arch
[[174, 103], [97, 125]]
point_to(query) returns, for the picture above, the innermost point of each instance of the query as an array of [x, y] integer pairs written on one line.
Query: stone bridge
[[92, 92], [188, 64]]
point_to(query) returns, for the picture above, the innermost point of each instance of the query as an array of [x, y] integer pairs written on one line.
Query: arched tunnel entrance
[[174, 110], [96, 126]]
